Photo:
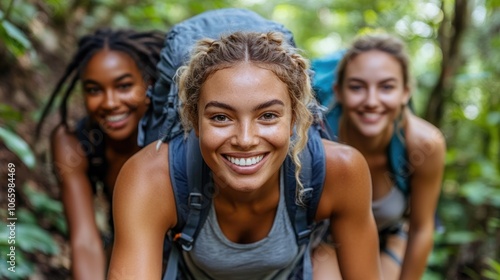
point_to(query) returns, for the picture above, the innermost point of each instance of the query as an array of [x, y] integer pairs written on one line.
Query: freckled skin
[[244, 131]]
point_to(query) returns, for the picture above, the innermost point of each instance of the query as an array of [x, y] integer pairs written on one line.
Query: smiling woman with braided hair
[[245, 100], [115, 69]]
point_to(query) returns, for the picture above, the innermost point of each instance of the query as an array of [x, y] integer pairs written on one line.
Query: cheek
[[91, 103], [353, 101], [392, 102], [136, 98]]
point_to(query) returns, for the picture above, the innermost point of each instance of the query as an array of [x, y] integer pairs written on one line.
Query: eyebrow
[[256, 108], [126, 75], [363, 81]]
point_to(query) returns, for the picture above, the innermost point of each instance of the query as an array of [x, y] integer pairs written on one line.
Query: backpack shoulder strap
[[398, 160], [192, 186], [91, 137], [312, 176], [193, 189]]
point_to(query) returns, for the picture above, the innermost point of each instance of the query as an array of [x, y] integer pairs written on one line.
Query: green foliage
[[49, 208], [18, 146], [493, 270], [29, 237], [469, 206], [15, 40]]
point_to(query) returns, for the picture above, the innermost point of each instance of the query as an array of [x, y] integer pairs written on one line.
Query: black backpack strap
[[312, 176], [193, 190], [200, 194]]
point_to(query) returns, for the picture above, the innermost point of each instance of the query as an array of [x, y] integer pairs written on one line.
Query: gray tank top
[[389, 209], [215, 257]]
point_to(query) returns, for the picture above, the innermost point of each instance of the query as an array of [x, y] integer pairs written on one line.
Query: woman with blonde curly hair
[[245, 96]]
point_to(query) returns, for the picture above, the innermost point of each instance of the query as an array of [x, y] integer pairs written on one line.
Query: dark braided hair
[[143, 47]]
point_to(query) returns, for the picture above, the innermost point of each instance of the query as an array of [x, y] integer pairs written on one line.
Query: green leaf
[[462, 237], [476, 192], [18, 146], [24, 268], [34, 238], [16, 34], [41, 201], [7, 113]]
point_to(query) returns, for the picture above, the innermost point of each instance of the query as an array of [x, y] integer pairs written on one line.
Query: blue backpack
[[190, 176]]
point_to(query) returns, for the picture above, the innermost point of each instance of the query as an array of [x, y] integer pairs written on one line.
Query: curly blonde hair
[[266, 49]]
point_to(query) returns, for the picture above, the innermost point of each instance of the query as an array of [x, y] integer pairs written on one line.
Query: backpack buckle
[[303, 236], [195, 200], [185, 240]]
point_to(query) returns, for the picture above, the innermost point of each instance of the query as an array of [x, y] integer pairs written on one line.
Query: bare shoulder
[[68, 154], [62, 135], [347, 179], [144, 183], [145, 171], [343, 159], [425, 141]]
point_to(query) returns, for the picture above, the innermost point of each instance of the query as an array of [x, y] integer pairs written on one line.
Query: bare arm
[[70, 165], [143, 211], [346, 200], [426, 150]]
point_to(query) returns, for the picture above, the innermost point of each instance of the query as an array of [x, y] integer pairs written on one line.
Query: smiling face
[[114, 93], [244, 126], [373, 92]]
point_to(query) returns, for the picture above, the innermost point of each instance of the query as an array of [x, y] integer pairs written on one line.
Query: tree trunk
[[450, 37]]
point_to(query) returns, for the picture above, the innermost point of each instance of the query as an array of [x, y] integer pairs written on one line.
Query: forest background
[[455, 51]]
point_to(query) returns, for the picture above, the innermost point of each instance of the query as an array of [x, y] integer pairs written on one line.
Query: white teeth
[[371, 115], [245, 161], [116, 118]]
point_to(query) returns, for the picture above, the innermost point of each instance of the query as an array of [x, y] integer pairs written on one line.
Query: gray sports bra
[[215, 257], [389, 209]]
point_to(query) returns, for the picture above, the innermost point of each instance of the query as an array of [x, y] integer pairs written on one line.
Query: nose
[[246, 136], [110, 101], [371, 97]]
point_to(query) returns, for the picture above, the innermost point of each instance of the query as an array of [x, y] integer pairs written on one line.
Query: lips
[[116, 118], [116, 121], [370, 117]]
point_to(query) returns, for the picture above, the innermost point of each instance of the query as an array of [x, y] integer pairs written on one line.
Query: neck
[[253, 199]]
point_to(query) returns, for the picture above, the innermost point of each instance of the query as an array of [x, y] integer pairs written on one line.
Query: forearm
[[88, 261], [418, 249]]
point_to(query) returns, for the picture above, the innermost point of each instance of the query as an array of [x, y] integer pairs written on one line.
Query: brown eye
[[92, 90], [124, 87], [269, 116], [219, 118]]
